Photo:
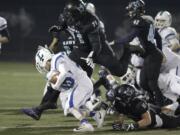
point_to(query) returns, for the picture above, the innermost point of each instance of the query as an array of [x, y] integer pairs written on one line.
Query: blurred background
[[29, 20]]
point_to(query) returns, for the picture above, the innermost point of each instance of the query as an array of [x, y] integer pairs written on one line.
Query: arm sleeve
[[158, 40], [128, 38]]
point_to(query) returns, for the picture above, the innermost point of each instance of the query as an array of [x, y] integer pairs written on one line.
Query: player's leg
[[153, 71], [63, 100], [77, 98], [49, 101], [116, 67], [150, 74], [169, 121]]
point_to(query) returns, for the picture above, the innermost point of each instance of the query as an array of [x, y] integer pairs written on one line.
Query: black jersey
[[136, 107], [143, 28], [133, 109], [69, 39], [89, 26]]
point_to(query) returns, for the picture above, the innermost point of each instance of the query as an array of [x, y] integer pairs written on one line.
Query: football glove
[[129, 127], [125, 127], [89, 60]]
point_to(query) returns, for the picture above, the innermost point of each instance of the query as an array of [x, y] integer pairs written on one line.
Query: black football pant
[[116, 61], [49, 100], [149, 76]]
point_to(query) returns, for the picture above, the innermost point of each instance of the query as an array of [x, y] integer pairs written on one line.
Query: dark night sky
[[29, 20]]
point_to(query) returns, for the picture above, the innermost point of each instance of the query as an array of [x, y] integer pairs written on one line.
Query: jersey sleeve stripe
[[56, 60], [71, 104], [171, 34]]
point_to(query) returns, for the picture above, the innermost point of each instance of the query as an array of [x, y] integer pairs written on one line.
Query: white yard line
[[22, 127], [19, 74]]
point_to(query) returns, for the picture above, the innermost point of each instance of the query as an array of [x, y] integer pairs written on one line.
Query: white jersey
[[168, 83], [76, 87], [172, 61], [61, 62], [167, 34]]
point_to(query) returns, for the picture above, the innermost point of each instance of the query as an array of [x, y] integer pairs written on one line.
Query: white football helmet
[[90, 8], [3, 23], [41, 58], [163, 19]]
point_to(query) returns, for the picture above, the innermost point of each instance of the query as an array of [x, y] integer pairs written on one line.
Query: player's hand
[[129, 127], [89, 61], [54, 29], [117, 126], [125, 127]]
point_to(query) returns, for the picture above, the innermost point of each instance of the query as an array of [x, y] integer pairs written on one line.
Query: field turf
[[21, 86]]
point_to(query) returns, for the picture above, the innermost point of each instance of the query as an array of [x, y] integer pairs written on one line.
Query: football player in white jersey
[[170, 40], [168, 82], [4, 34], [76, 88], [168, 34]]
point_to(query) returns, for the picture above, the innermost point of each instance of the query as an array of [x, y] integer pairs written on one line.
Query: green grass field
[[21, 86]]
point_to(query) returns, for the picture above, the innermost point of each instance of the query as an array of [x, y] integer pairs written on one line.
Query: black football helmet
[[125, 93], [136, 8], [73, 11]]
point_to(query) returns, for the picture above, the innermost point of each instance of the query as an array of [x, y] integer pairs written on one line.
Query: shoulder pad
[[57, 59], [165, 32], [3, 23]]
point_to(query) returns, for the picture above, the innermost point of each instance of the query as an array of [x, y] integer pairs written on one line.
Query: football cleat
[[84, 127], [99, 118], [31, 112]]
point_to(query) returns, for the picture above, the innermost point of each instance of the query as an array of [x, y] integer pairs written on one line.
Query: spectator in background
[[4, 34]]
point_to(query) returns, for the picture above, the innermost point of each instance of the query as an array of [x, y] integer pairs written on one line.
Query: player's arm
[[119, 119], [142, 109], [54, 44], [94, 36], [145, 121], [175, 46], [57, 78], [173, 40], [4, 38], [128, 38]]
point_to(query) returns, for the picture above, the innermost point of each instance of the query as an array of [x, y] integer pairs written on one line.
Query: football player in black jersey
[[150, 40], [67, 38], [130, 102], [98, 50]]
